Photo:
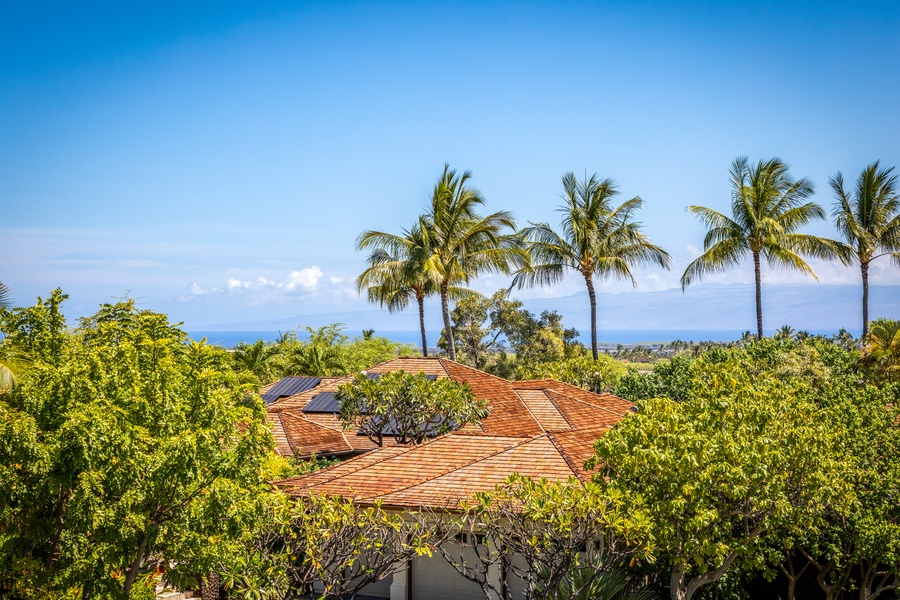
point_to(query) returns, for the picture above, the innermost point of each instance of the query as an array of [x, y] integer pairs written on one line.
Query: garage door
[[433, 578]]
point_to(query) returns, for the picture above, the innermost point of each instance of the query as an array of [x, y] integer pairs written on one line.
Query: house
[[541, 428]]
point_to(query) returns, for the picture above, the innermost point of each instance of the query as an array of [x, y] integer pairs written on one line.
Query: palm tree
[[461, 243], [258, 358], [12, 364], [869, 220], [767, 207], [597, 239], [882, 350], [785, 332], [398, 272], [314, 360], [4, 296]]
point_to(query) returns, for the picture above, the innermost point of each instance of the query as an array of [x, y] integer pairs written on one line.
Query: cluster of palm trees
[[450, 243], [768, 207]]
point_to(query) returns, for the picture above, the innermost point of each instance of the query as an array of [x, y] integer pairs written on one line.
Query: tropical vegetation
[[868, 218], [768, 206], [597, 239], [755, 468]]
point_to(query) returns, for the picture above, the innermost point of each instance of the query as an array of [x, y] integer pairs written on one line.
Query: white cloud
[[305, 279]]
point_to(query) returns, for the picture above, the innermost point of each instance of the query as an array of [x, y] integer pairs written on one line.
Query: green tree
[[321, 539], [597, 239], [472, 332], [546, 525], [768, 207], [868, 218], [668, 379], [409, 407], [461, 243], [881, 354], [4, 296], [399, 272], [743, 463], [140, 449], [259, 358], [598, 376], [314, 360], [858, 545]]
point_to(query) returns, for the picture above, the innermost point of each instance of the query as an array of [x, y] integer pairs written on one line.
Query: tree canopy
[[124, 445], [597, 239], [409, 407], [768, 206]]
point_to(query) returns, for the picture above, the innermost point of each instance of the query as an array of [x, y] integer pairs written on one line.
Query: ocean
[[230, 339]]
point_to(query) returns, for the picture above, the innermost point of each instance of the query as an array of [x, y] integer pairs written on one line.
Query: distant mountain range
[[803, 306]]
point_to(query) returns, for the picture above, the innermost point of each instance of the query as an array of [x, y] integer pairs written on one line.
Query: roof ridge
[[563, 454], [559, 410], [463, 466], [574, 399], [289, 438], [479, 371], [531, 412]]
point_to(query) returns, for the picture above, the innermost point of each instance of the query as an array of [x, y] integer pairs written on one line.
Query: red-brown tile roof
[[536, 428]]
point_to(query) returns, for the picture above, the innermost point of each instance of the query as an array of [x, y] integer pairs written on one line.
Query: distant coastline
[[607, 338]]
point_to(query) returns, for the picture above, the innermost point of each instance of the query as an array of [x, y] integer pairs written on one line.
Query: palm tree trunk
[[757, 274], [448, 329], [864, 267], [590, 286], [421, 301]]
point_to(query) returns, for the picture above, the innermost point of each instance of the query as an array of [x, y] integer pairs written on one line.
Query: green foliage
[[668, 379], [598, 578], [743, 461], [597, 239], [124, 444], [601, 375], [326, 352], [317, 538], [260, 359], [860, 540], [881, 354], [499, 336], [546, 525], [407, 406], [768, 207]]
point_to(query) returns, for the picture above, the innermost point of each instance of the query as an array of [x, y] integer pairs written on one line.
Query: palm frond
[[5, 299], [719, 257]]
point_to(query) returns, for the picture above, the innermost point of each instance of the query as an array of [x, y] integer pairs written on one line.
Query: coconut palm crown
[[868, 218], [462, 244], [398, 272], [768, 207], [597, 239]]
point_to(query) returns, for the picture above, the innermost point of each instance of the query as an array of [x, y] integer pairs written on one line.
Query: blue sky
[[218, 160]]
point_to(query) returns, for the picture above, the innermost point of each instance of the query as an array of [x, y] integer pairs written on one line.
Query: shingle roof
[[536, 428]]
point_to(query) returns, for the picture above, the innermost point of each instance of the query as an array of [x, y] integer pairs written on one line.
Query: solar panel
[[288, 386], [323, 402]]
